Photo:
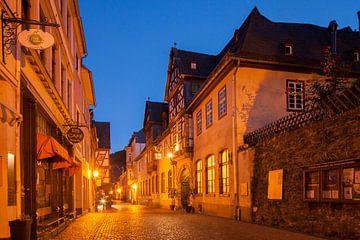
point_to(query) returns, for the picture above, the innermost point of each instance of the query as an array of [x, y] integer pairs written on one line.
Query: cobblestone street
[[139, 222]]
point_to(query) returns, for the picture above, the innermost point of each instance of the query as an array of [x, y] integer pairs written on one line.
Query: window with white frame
[[289, 48], [209, 115], [199, 122], [198, 177], [210, 174], [222, 102], [295, 95], [224, 172], [174, 135], [193, 65]]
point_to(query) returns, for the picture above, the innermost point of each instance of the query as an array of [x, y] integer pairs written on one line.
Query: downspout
[[234, 152]]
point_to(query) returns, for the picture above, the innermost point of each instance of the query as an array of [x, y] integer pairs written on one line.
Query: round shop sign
[[75, 134], [36, 39]]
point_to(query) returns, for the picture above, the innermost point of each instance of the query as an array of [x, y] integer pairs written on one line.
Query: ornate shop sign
[[36, 39], [75, 134]]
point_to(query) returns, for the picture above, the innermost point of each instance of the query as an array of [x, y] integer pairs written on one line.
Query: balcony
[[151, 166]]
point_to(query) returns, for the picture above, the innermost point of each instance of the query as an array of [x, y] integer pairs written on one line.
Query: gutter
[[234, 152]]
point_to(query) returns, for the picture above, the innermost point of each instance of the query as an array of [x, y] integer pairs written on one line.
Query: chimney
[[332, 28], [358, 13]]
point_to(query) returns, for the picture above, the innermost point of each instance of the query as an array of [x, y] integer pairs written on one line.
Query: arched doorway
[[185, 188]]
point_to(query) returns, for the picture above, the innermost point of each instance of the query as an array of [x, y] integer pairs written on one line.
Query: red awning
[[74, 169], [48, 149]]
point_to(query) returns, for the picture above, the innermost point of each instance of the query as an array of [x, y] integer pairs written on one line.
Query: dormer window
[[356, 56], [193, 65], [289, 48]]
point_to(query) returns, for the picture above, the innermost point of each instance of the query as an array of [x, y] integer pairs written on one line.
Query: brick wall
[[328, 140]]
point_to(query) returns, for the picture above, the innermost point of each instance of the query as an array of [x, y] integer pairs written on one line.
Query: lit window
[[222, 102], [198, 122], [332, 183], [193, 65], [198, 177], [210, 174], [11, 184], [224, 171], [295, 95], [209, 116]]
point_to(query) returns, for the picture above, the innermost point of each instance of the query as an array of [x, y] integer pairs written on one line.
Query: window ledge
[[224, 195], [210, 195]]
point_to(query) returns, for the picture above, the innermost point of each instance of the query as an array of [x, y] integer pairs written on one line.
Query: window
[[53, 64], [340, 184], [152, 184], [174, 135], [193, 65], [77, 117], [11, 179], [224, 172], [198, 122], [198, 177], [210, 174], [69, 91], [289, 48], [68, 27], [222, 102], [76, 62], [195, 88], [162, 182], [209, 118], [356, 56], [169, 179], [157, 183], [180, 132], [295, 95], [62, 82]]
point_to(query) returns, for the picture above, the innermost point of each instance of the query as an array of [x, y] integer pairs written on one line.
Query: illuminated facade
[[198, 160], [48, 90]]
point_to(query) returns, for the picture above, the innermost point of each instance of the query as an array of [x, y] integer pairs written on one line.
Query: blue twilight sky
[[129, 41]]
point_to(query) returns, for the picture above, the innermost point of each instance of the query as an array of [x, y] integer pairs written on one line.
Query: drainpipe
[[234, 152]]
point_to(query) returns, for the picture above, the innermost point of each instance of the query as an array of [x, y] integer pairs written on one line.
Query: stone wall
[[323, 141]]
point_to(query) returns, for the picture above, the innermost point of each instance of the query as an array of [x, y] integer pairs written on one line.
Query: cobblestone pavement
[[136, 222]]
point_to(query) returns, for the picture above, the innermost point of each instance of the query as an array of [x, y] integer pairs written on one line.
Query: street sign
[[75, 134]]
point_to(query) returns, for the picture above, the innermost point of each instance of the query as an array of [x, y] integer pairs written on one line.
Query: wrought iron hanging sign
[[75, 134], [36, 39]]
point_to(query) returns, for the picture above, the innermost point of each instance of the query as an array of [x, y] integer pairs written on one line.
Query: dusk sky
[[129, 42]]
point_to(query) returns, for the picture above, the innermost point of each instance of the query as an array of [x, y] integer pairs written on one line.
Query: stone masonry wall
[[323, 141]]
